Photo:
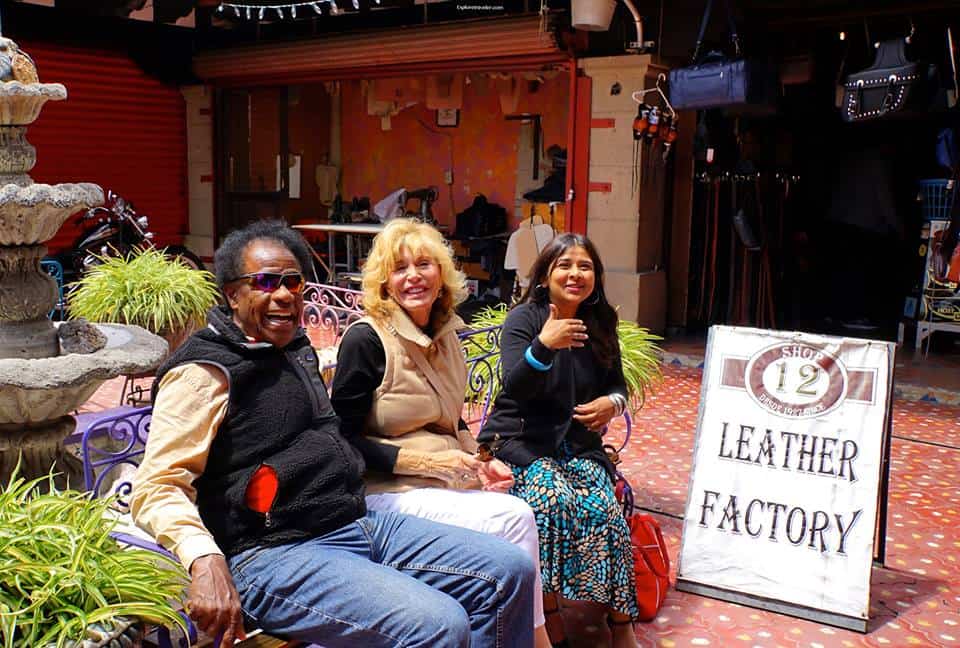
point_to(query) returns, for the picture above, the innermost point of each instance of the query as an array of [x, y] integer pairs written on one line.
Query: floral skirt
[[585, 550]]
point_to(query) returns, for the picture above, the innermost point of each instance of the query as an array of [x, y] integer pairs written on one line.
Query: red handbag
[[651, 564]]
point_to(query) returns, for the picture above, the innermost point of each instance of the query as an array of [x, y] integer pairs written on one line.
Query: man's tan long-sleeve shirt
[[191, 403]]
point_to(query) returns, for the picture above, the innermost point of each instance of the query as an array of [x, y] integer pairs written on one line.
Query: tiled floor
[[915, 598]]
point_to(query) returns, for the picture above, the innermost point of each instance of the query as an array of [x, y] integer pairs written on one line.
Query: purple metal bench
[[111, 446], [327, 312], [481, 350]]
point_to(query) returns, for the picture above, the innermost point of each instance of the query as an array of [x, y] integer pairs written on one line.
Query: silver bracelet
[[619, 402]]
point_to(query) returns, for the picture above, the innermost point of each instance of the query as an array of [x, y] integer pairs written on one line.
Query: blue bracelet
[[533, 362]]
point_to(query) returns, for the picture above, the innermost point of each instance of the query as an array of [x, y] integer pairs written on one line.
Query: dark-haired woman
[[562, 383]]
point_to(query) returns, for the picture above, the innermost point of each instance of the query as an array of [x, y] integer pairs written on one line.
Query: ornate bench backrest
[[328, 311], [481, 350], [111, 448]]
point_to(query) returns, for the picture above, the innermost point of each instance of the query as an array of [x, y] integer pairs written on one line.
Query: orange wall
[[415, 152], [309, 134]]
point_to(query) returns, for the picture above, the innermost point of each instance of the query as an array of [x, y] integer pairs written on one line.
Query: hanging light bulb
[[293, 11], [219, 8], [334, 9], [316, 8], [356, 4], [843, 36], [279, 11], [260, 14]]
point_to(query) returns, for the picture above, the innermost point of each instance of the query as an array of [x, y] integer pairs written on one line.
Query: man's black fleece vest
[[279, 415]]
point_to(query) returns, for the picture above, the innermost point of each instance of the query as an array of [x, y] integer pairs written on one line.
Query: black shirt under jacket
[[361, 363], [533, 414]]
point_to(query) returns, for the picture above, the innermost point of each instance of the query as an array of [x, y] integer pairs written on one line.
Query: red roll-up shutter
[[498, 44], [118, 128]]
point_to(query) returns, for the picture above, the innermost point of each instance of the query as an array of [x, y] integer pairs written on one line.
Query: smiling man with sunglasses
[[247, 478], [267, 304]]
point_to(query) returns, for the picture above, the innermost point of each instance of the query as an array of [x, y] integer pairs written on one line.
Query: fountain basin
[[20, 103], [32, 214], [33, 391]]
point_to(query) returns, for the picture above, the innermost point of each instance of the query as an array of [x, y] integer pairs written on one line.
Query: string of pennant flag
[[250, 11]]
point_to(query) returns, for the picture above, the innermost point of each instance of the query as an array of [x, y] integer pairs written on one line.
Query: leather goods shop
[[464, 126], [825, 202], [816, 189], [751, 162]]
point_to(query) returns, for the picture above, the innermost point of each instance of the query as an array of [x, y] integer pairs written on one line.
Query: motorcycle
[[114, 229]]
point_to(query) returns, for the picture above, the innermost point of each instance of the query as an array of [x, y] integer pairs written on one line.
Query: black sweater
[[533, 414], [278, 416]]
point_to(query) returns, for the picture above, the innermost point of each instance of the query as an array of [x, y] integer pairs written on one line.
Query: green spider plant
[[145, 288], [61, 573], [639, 355]]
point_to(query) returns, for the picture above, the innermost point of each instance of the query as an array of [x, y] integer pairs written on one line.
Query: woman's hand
[[455, 467], [562, 333], [496, 476], [596, 414]]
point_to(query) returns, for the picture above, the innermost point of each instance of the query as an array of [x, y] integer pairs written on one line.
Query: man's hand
[[595, 414], [562, 333], [213, 602]]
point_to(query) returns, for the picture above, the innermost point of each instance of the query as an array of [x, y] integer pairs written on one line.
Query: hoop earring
[[593, 300], [540, 292]]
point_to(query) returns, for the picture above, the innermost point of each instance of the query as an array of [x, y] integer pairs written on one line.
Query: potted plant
[[639, 355], [146, 288], [64, 581]]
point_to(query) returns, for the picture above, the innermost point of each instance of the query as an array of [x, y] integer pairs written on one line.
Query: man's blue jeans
[[391, 580]]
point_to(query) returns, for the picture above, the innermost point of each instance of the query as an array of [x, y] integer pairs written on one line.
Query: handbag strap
[[734, 37]]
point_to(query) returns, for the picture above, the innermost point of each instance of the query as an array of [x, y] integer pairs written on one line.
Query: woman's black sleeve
[[520, 379], [361, 362], [615, 381]]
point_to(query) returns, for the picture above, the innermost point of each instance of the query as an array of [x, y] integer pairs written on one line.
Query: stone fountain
[[39, 384]]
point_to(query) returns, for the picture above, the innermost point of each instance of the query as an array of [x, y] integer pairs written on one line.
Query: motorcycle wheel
[[186, 256]]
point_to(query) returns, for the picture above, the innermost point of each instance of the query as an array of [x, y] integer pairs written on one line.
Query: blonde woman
[[399, 390]]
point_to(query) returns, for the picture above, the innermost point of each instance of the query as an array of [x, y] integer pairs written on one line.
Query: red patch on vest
[[262, 489]]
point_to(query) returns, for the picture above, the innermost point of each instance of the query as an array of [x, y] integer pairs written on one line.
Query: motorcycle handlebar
[[94, 213]]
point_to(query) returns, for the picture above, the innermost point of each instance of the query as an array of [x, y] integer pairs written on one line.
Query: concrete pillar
[[625, 222], [200, 167]]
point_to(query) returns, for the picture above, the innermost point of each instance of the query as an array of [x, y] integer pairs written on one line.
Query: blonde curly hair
[[388, 246]]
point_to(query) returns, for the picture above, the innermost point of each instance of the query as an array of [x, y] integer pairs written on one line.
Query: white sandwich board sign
[[790, 452]]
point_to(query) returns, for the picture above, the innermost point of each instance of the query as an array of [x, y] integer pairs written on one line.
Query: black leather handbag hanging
[[891, 85], [718, 80]]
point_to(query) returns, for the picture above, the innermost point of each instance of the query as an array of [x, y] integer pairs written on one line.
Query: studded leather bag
[[891, 85]]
